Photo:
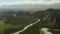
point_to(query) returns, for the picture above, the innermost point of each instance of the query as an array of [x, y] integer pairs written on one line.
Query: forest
[[15, 21]]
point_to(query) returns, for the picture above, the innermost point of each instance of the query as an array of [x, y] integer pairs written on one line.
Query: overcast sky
[[20, 2]]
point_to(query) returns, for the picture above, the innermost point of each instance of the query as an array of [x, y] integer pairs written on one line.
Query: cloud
[[53, 2], [20, 2]]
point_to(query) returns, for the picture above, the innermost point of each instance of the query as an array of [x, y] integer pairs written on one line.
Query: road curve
[[26, 27], [45, 30]]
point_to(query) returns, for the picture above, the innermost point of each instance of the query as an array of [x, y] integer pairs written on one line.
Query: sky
[[21, 2]]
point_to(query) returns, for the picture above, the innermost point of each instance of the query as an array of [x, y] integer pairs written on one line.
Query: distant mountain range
[[29, 6], [26, 6]]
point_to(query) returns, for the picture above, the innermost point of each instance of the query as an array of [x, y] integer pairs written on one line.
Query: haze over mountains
[[30, 6]]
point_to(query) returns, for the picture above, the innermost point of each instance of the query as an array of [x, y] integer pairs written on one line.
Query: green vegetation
[[13, 24], [9, 28], [40, 14], [57, 31], [22, 19], [41, 32]]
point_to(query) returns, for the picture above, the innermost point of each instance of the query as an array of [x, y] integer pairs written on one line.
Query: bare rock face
[[58, 21], [54, 19]]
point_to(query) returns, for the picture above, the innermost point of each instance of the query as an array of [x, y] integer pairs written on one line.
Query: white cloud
[[19, 2], [53, 2]]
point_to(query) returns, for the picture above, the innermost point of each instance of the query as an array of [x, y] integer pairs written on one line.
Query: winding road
[[26, 27], [45, 30]]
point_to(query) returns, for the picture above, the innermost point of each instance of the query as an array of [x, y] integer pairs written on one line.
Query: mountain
[[30, 6], [25, 6], [56, 5]]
